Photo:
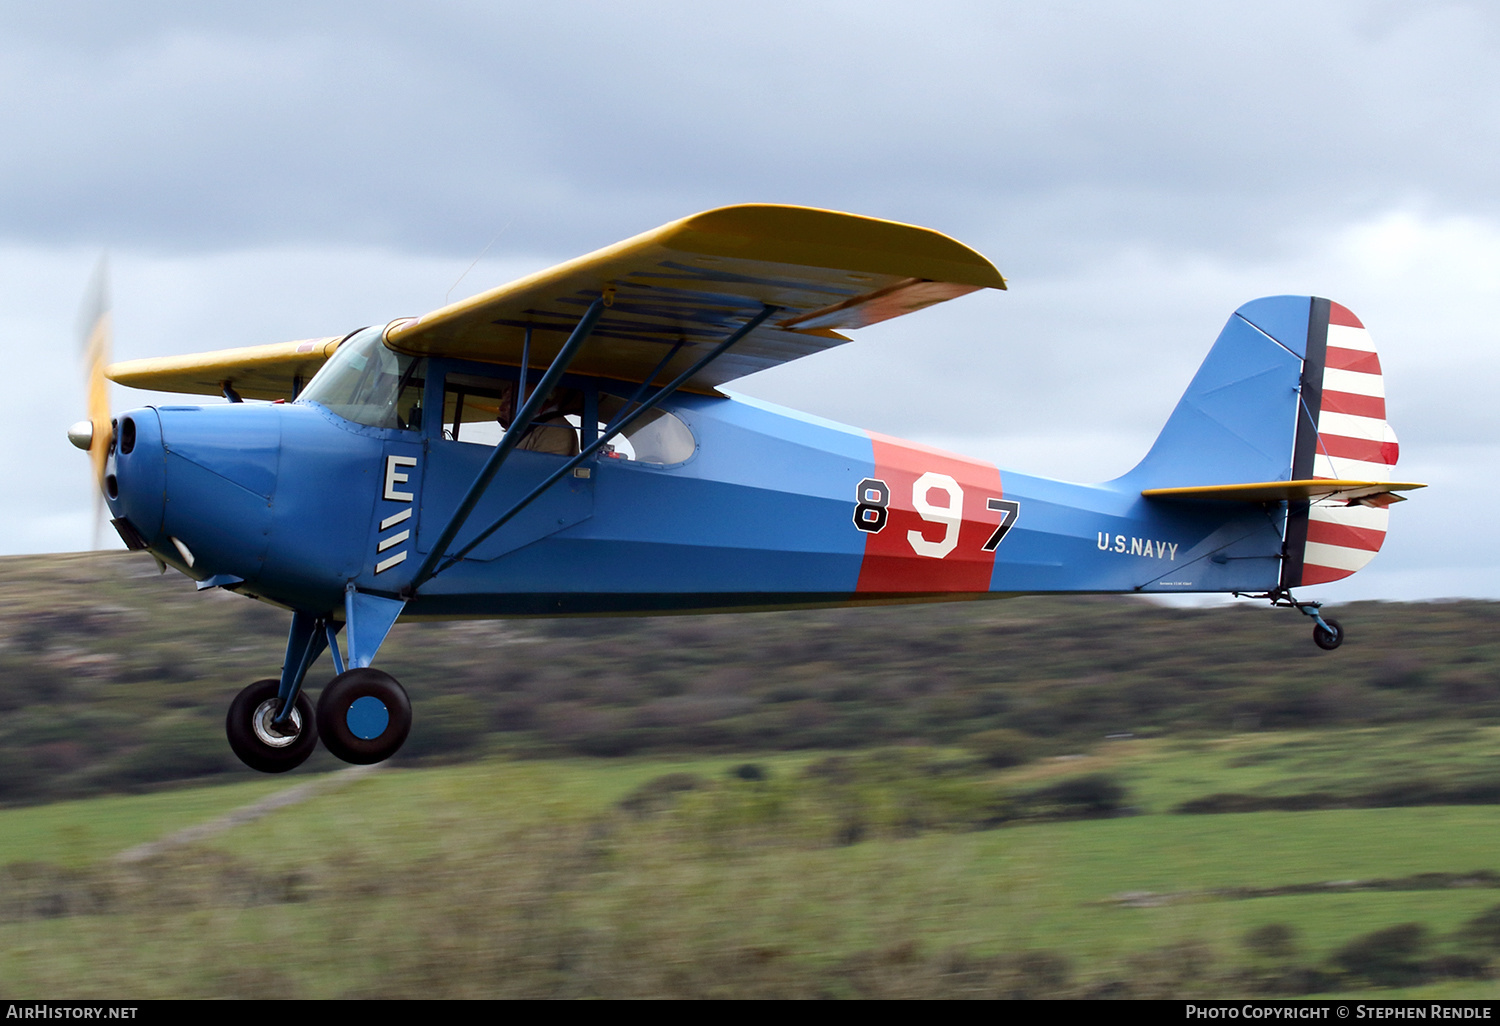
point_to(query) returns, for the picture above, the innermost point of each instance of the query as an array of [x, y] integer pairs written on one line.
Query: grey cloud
[[428, 126]]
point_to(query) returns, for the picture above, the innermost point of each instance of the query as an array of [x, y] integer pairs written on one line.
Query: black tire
[[1330, 639], [260, 748], [339, 720]]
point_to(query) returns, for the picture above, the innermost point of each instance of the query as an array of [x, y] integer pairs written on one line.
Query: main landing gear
[[363, 714], [1328, 633]]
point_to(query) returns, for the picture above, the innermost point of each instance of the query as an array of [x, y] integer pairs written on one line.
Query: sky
[[1137, 171]]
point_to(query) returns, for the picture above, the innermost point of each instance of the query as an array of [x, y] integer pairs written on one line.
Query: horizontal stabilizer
[[1376, 493]]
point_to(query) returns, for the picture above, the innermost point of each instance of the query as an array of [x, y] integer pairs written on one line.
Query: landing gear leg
[[271, 725], [1328, 633]]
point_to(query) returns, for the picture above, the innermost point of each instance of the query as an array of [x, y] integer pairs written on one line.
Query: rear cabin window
[[657, 436], [478, 409]]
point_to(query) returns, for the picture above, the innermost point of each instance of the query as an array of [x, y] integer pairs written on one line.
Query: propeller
[[94, 435]]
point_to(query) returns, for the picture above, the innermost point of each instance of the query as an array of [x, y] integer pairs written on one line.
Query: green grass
[[78, 833], [525, 878], [401, 814], [1074, 866], [1166, 773]]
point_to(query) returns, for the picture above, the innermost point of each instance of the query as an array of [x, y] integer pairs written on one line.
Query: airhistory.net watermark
[[67, 1010]]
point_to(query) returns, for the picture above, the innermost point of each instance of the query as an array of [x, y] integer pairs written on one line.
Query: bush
[[1078, 797], [177, 751], [1484, 929], [20, 777], [1273, 940], [446, 726], [1002, 748], [660, 792], [1386, 958]]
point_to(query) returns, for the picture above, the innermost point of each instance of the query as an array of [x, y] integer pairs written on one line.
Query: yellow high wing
[[691, 282], [275, 371]]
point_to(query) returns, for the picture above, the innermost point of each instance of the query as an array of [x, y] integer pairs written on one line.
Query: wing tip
[[817, 230]]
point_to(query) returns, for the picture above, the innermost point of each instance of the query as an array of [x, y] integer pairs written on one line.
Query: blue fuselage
[[769, 508]]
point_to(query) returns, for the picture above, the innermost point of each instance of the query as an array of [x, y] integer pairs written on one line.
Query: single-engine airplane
[[560, 446]]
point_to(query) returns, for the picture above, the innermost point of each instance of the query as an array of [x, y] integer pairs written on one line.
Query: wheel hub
[[367, 717], [267, 732]]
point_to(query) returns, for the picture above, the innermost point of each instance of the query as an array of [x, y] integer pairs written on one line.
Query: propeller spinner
[[94, 435]]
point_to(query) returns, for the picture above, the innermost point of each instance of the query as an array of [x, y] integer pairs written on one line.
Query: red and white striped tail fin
[[1353, 442]]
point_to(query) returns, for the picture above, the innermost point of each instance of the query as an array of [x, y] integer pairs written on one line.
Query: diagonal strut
[[609, 432]]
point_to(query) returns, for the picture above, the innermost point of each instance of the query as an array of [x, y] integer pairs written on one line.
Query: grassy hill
[[1035, 797], [113, 678], [697, 877]]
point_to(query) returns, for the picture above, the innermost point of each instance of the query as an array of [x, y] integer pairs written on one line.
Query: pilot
[[551, 431]]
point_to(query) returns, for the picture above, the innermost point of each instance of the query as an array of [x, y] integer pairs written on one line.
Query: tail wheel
[[256, 739], [364, 716], [1330, 639]]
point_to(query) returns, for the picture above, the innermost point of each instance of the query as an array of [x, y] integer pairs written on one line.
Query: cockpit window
[[367, 383], [476, 409]]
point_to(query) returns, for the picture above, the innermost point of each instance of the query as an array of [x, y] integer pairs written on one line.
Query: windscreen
[[367, 383]]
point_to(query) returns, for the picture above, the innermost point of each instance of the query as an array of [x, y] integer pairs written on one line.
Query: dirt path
[[247, 813]]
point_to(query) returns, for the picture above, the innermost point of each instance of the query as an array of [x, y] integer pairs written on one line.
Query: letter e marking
[[393, 477]]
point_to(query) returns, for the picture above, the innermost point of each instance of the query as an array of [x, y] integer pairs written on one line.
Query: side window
[[476, 409], [658, 436]]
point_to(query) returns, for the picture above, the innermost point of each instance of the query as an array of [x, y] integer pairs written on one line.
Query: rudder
[[1342, 434]]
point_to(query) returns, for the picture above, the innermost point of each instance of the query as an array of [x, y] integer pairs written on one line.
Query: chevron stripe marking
[[1354, 405], [1342, 316], [1367, 450], [1344, 536], [1353, 360]]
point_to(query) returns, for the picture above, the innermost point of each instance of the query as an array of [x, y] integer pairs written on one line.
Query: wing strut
[[512, 436], [622, 421]]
